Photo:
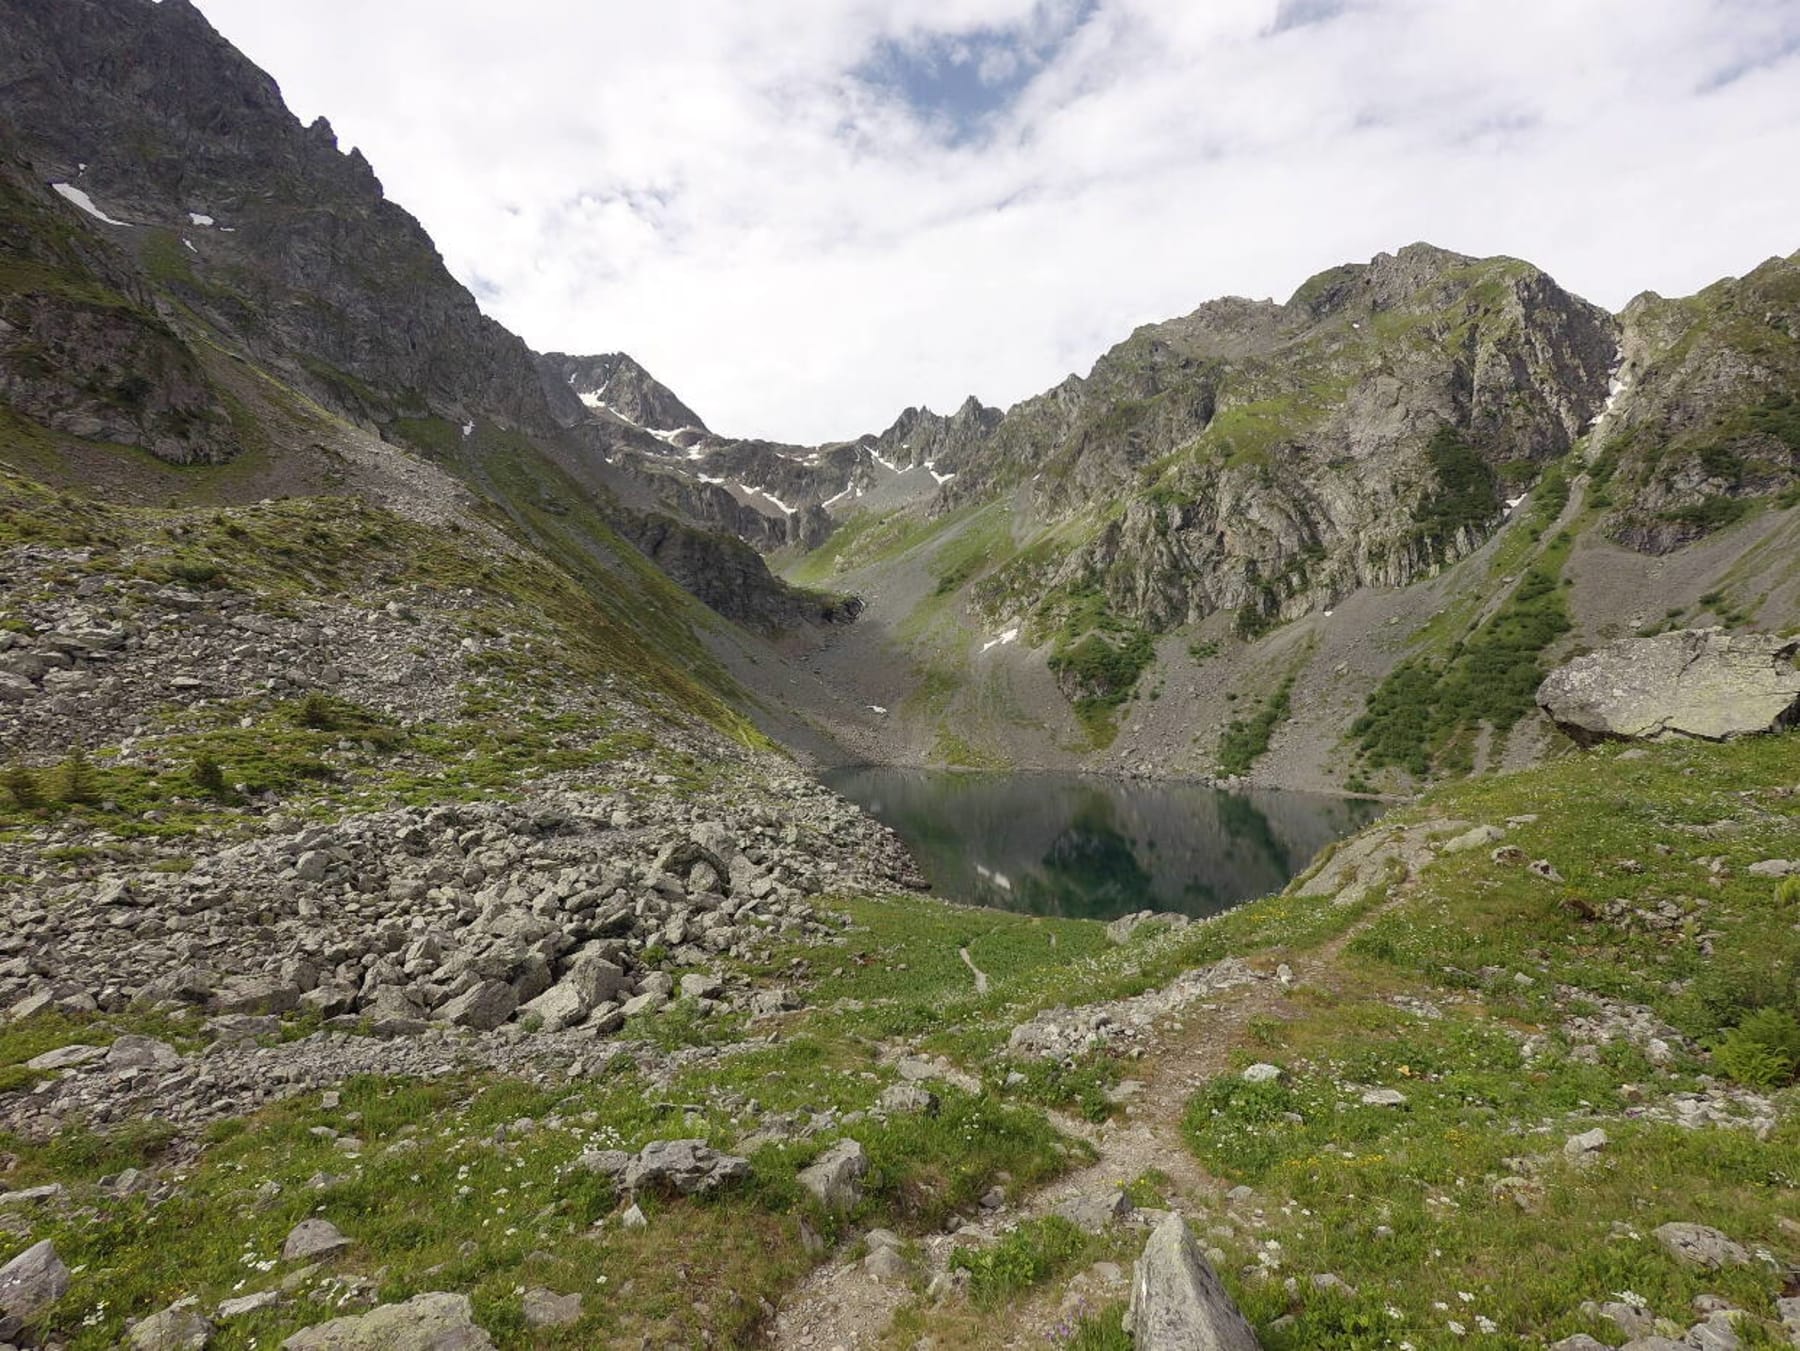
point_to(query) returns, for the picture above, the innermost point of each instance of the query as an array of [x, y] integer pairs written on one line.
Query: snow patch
[[468, 429], [1010, 636], [70, 193], [877, 708], [199, 218], [786, 510], [888, 465], [704, 478], [942, 479], [190, 244], [1512, 503], [848, 489]]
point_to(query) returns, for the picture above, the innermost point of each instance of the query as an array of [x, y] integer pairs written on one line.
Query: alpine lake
[[1089, 847]]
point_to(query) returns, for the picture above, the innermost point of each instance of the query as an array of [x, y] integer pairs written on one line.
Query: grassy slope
[[1462, 938]]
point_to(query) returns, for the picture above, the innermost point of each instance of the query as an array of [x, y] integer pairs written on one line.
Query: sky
[[806, 215]]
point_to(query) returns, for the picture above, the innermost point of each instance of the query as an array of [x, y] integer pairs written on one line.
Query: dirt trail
[[840, 1306]]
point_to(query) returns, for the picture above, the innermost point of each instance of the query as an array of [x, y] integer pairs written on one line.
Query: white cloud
[[799, 253]]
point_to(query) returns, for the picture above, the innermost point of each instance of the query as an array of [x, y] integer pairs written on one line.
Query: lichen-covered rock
[[835, 1177], [32, 1281], [689, 1167], [1702, 683], [433, 1322], [1177, 1302]]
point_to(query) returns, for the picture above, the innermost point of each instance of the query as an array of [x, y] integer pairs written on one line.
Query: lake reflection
[[1096, 848]]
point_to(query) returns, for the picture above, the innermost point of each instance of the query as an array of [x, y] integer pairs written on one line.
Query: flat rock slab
[[173, 1329], [434, 1322], [1702, 683], [66, 1057], [1701, 1246]]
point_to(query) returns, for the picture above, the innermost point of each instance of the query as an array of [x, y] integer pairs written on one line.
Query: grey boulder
[[1177, 1302], [835, 1177], [434, 1322], [1702, 683], [689, 1167], [482, 1008], [312, 1239], [33, 1281], [174, 1329], [1701, 1246]]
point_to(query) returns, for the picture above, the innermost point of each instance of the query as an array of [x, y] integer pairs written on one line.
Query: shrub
[[77, 783], [1244, 741], [208, 776], [315, 713], [1747, 1061], [22, 787], [1763, 1051]]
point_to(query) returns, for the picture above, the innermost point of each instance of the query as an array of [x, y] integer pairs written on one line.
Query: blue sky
[[805, 215], [961, 85]]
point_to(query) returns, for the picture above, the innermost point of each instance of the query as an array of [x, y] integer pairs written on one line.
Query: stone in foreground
[[313, 1239], [1177, 1303], [689, 1167], [174, 1329], [435, 1322], [547, 1309], [1702, 683], [835, 1177], [32, 1281], [1702, 1246]]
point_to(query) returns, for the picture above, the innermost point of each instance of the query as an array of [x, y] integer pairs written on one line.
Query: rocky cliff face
[[83, 349], [1704, 418], [1270, 458], [196, 215], [618, 385], [264, 227]]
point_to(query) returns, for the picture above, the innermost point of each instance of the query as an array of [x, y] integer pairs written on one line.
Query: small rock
[[244, 1305], [1701, 1246], [835, 1177], [1177, 1302], [1474, 839], [313, 1239], [547, 1309], [908, 1100], [886, 1264], [176, 1328], [1588, 1142], [1261, 1073], [1384, 1097]]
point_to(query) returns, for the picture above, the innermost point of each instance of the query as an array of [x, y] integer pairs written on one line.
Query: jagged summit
[[616, 384]]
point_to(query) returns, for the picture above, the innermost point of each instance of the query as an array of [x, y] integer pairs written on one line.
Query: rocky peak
[[619, 385]]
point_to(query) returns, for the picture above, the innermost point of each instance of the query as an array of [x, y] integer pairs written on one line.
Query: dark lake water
[[1096, 848]]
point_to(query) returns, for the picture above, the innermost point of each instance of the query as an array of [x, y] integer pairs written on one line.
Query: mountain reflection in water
[[1095, 848]]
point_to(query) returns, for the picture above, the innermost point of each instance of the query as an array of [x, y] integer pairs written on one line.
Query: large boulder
[[1177, 1303], [174, 1329], [835, 1177], [435, 1322], [32, 1281], [688, 1167], [1703, 683]]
